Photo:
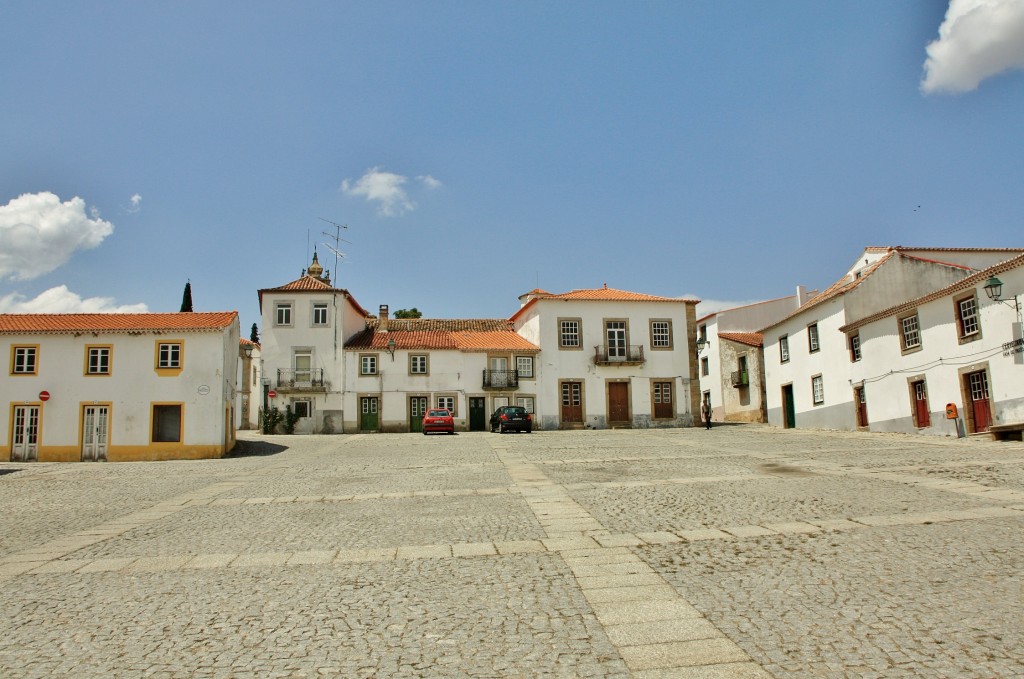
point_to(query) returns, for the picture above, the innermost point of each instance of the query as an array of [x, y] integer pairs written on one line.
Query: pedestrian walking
[[705, 413]]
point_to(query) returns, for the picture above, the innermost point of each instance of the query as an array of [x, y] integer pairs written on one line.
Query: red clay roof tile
[[115, 323]]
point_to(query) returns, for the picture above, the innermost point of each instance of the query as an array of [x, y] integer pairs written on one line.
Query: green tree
[[186, 298], [409, 313], [254, 334]]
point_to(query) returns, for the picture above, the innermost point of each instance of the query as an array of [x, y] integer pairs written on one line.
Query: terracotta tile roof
[[753, 339], [441, 333], [308, 283], [962, 284], [62, 324], [246, 342], [604, 294]]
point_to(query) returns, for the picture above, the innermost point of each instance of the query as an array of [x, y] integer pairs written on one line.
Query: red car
[[438, 420]]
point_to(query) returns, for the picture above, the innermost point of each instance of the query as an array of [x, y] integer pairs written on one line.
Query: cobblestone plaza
[[744, 551]]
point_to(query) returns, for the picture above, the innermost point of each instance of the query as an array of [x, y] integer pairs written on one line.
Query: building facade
[[97, 387]]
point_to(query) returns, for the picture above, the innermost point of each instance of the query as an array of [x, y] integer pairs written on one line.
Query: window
[[168, 355], [784, 349], [319, 314], [967, 317], [703, 332], [910, 332], [817, 390], [525, 402], [167, 423], [705, 368], [855, 348], [569, 334], [97, 361], [368, 364], [447, 402], [302, 408], [524, 366], [661, 334], [417, 364], [302, 359], [23, 360], [812, 338], [283, 314]]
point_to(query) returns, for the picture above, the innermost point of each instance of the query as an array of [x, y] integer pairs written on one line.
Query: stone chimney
[[382, 323], [801, 296]]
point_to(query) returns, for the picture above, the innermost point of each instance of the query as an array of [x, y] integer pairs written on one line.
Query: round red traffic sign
[[44, 396], [271, 393]]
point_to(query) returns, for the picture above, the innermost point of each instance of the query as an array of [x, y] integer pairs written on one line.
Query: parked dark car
[[438, 419], [511, 418]]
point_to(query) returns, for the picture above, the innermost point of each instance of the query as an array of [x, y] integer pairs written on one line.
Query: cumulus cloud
[[39, 233], [60, 300], [136, 203], [387, 190], [978, 39]]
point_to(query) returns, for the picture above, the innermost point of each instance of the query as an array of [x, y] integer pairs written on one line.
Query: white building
[[611, 358], [397, 368], [118, 386], [731, 357], [305, 324], [954, 346], [807, 355]]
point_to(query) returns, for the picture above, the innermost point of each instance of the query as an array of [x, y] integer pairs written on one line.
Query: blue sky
[[476, 150]]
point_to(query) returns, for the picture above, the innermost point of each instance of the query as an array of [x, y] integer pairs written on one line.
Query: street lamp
[[390, 348], [701, 344]]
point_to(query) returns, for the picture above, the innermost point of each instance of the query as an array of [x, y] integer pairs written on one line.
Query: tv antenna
[[338, 240]]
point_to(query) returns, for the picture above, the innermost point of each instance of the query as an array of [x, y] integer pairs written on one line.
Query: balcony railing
[[501, 379], [301, 380], [632, 354], [740, 378]]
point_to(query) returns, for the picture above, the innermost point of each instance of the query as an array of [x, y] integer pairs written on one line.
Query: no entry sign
[[271, 393], [44, 396]]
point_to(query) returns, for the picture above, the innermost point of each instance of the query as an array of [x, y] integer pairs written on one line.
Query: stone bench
[[1007, 432]]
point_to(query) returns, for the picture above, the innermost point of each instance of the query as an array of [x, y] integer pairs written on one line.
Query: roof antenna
[[338, 240]]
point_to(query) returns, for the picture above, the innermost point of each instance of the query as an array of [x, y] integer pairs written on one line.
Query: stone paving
[[744, 551]]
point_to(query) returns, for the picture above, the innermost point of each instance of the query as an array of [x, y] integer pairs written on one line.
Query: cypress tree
[[254, 335], [186, 299]]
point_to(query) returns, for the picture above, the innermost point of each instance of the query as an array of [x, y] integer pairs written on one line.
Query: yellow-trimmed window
[[24, 359], [98, 359], [170, 356]]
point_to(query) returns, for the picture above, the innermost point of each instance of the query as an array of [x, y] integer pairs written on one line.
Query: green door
[[477, 413], [417, 409], [368, 418], [789, 412]]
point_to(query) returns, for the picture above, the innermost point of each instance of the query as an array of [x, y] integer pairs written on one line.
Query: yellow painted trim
[[169, 372], [110, 360], [10, 366], [163, 445], [133, 453]]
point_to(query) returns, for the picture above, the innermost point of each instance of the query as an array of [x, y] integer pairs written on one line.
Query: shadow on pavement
[[249, 448]]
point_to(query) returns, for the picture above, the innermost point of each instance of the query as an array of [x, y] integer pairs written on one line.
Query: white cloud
[[39, 233], [60, 300], [387, 190], [978, 39], [136, 201]]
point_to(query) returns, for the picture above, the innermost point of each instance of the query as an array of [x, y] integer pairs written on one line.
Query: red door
[[977, 386], [862, 406], [923, 417], [662, 400], [572, 403], [618, 402]]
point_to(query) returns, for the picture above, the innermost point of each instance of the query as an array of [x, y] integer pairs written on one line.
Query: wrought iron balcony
[[740, 378], [301, 380], [501, 379], [632, 354]]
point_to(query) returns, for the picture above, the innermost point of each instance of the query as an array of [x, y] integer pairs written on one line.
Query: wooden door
[[618, 402], [368, 416], [95, 430], [25, 434], [477, 413], [921, 412], [788, 409], [861, 402], [417, 409], [572, 402], [663, 400], [977, 387]]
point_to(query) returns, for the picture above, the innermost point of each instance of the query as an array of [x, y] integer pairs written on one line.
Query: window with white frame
[[817, 390], [661, 334], [168, 355], [320, 313], [368, 364], [447, 402], [910, 332], [23, 360], [524, 366], [967, 316], [855, 347], [98, 361], [813, 343], [784, 349], [283, 313], [569, 334], [525, 402], [417, 364]]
